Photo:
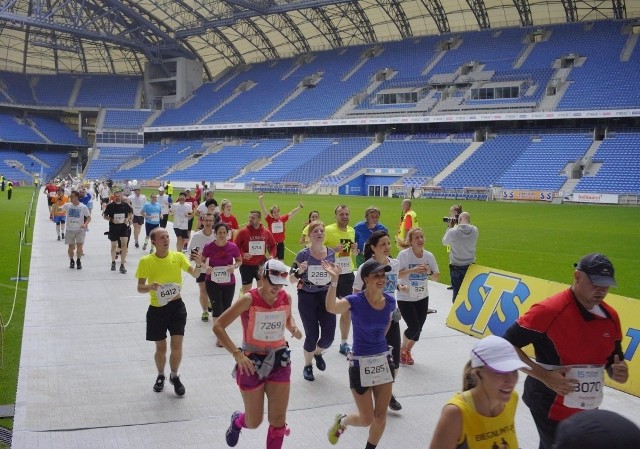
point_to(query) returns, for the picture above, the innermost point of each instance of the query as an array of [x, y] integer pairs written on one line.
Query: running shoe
[[58, 237], [72, 264], [394, 404], [205, 316], [123, 270], [113, 266], [320, 363], [144, 247], [233, 432], [405, 357], [137, 245], [307, 372], [63, 235], [177, 385], [344, 348], [337, 429], [78, 264], [159, 385]]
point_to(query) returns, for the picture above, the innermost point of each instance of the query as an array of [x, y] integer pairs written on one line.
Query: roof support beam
[[439, 16], [524, 11], [319, 18], [480, 11], [570, 10], [288, 28], [354, 13], [215, 21], [248, 4], [619, 9], [254, 34], [394, 10]]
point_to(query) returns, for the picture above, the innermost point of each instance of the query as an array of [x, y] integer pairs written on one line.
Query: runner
[[256, 246], [313, 283], [276, 223], [57, 213], [378, 248], [181, 212], [314, 215], [263, 363], [341, 237], [196, 245], [416, 266], [78, 218], [223, 257], [138, 202], [370, 363], [119, 215], [151, 213], [160, 275]]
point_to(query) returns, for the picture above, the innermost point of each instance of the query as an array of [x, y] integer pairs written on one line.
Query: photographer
[[461, 236]]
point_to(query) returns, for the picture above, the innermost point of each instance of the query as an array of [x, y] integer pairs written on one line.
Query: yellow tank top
[[484, 432]]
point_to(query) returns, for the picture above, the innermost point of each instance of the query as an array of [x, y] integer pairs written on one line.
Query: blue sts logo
[[494, 301]]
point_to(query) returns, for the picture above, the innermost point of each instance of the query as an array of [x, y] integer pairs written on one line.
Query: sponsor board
[[526, 195], [491, 300], [599, 198]]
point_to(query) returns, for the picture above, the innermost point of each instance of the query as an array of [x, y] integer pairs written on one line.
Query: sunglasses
[[282, 274]]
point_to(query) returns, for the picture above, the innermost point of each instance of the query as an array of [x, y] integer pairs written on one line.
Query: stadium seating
[[125, 119], [620, 171]]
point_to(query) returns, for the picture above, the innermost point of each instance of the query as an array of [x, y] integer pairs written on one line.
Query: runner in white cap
[[483, 415]]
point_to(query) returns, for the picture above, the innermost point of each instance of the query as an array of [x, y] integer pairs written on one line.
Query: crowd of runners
[[347, 280]]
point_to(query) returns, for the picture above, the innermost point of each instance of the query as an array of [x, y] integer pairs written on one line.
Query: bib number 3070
[[374, 370], [588, 393]]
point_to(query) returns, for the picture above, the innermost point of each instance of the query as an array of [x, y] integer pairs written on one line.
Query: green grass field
[[541, 240], [13, 217]]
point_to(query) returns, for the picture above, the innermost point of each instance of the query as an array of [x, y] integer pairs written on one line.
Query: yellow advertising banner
[[491, 300]]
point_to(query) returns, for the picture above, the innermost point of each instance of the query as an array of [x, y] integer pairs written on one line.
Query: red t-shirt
[[277, 226], [231, 221], [257, 242]]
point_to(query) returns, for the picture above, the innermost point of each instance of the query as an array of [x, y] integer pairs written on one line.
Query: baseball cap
[[372, 266], [276, 271], [598, 268], [597, 429], [497, 354], [160, 189]]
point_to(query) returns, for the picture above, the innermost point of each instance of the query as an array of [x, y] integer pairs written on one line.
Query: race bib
[[167, 292], [318, 275], [344, 263], [277, 227], [588, 392], [181, 222], [220, 275], [154, 217], [256, 247], [269, 326], [118, 218], [374, 370], [418, 288]]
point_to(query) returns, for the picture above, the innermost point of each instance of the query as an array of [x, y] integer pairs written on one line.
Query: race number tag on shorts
[[277, 227], [256, 247], [344, 263], [588, 392], [167, 292], [374, 370], [118, 218], [318, 275], [220, 275], [418, 288], [154, 217], [269, 326]]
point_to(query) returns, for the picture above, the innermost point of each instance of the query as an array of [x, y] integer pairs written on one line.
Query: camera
[[450, 219]]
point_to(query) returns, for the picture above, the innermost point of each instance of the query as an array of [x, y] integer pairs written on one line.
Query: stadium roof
[[119, 36]]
